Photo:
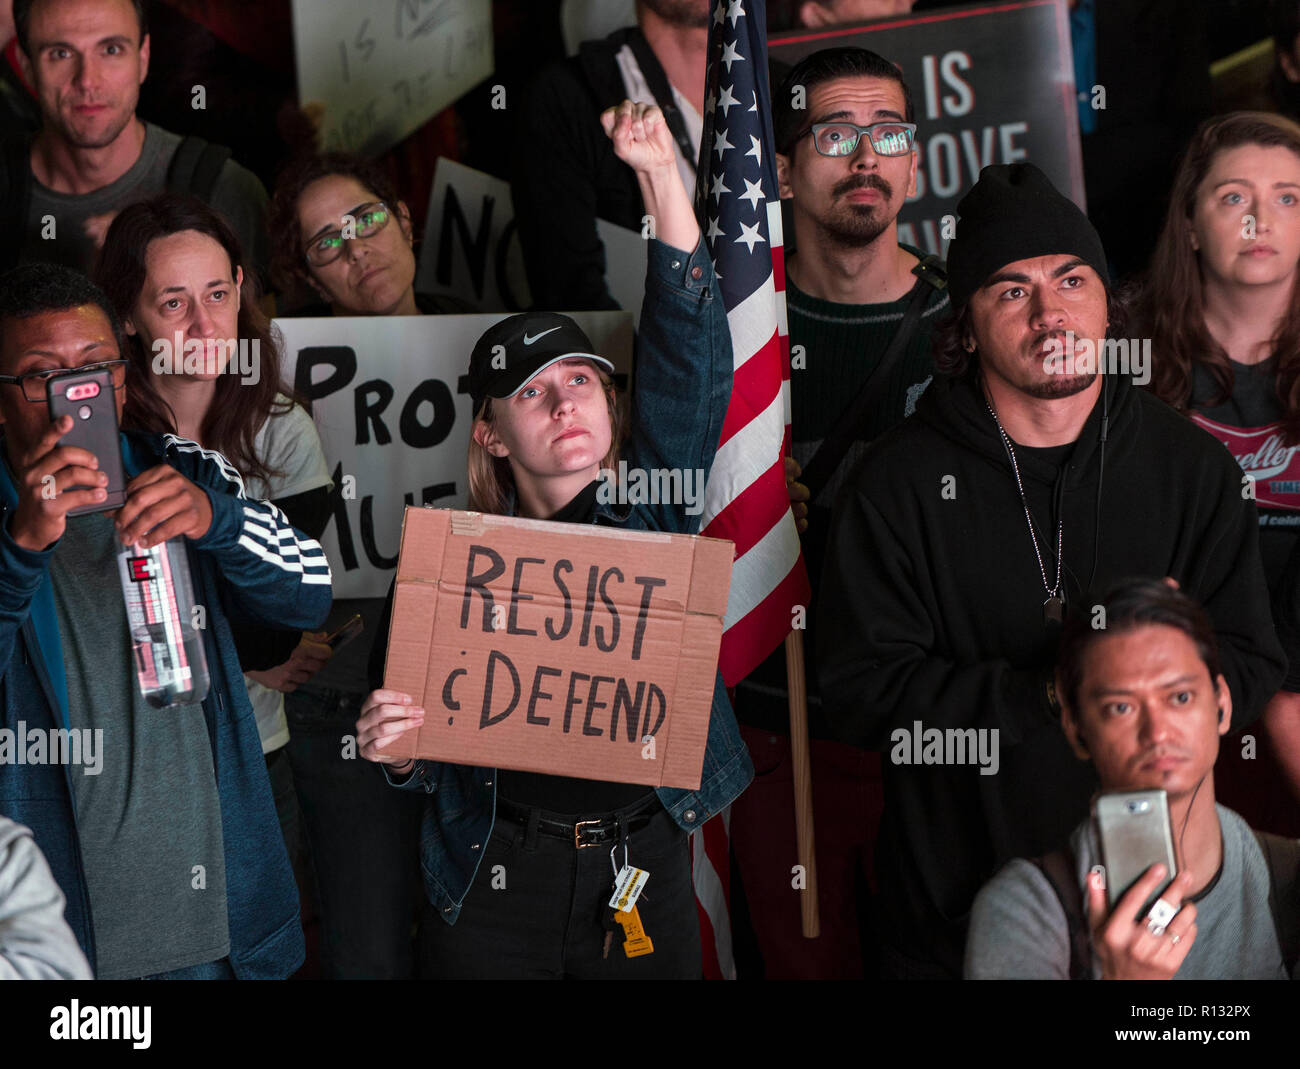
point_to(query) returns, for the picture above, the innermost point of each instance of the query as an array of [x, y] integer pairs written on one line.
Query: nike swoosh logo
[[529, 341]]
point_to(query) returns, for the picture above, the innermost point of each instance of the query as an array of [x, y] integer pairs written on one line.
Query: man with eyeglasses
[[93, 156], [166, 846], [861, 310]]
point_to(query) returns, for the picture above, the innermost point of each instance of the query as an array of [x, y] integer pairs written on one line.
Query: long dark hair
[[237, 411], [1172, 302]]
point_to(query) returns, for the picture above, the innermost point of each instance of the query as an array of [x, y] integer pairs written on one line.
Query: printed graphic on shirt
[[1264, 456]]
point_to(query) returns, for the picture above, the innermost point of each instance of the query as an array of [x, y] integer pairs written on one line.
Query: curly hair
[[288, 264]]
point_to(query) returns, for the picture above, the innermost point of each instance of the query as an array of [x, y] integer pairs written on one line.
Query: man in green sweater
[[845, 131]]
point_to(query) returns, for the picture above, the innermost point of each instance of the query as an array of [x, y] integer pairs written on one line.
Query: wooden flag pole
[[799, 755]]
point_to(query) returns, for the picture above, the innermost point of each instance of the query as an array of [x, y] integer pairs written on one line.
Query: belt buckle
[[577, 833]]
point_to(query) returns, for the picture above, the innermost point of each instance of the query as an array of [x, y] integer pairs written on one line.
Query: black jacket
[[565, 176], [936, 598]]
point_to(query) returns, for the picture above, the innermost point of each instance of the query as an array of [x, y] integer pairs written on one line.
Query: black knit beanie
[[1015, 213]]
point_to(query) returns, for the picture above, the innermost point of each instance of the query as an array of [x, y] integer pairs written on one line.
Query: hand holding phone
[[345, 633], [1129, 949], [47, 475]]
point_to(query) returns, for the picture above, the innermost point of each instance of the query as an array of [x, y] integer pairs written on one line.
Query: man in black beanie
[[1032, 474]]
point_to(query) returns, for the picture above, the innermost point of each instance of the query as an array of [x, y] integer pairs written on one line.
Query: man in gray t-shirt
[[93, 156], [1142, 696]]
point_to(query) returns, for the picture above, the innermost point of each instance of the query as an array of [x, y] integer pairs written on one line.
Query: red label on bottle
[[141, 569]]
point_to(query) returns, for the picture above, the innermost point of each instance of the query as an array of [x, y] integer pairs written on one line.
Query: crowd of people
[[1024, 535]]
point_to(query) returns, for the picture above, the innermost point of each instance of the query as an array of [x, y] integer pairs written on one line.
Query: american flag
[[745, 499]]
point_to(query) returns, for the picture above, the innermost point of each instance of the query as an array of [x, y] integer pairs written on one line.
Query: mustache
[[862, 181], [1042, 338], [1155, 753]]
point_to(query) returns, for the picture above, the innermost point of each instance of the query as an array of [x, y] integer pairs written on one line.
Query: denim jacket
[[252, 566], [683, 384]]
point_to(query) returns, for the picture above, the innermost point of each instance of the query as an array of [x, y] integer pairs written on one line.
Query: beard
[[690, 14], [852, 226], [1058, 386]]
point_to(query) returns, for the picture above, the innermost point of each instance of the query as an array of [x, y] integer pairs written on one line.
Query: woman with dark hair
[[1221, 307], [341, 232], [205, 365], [545, 425]]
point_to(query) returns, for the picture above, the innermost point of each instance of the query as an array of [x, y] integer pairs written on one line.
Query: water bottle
[[170, 665]]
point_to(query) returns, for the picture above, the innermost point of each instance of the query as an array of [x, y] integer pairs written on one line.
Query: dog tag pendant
[[1053, 610]]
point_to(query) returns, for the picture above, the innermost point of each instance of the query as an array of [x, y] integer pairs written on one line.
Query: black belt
[[600, 832]]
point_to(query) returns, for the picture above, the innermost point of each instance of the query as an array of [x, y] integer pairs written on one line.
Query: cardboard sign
[[991, 84], [562, 648], [395, 430], [384, 68]]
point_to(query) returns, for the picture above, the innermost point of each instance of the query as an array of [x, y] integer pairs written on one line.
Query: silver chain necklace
[[1054, 606]]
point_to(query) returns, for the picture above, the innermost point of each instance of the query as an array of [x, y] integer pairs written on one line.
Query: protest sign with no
[[991, 84], [383, 392], [567, 649]]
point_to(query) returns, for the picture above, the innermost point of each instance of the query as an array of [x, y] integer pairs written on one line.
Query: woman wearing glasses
[[208, 369], [341, 232], [1222, 308]]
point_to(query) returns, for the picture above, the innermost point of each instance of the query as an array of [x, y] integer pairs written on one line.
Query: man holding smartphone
[[169, 854], [1145, 700]]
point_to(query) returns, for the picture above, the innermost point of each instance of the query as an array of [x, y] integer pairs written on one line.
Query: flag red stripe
[[753, 512], [756, 384], [749, 640]]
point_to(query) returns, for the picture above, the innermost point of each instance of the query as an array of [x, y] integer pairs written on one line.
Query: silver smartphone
[[1135, 832]]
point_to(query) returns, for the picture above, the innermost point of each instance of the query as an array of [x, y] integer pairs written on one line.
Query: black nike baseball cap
[[511, 353]]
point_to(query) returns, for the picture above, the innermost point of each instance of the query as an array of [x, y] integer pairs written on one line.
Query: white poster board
[[471, 246], [385, 67], [394, 428]]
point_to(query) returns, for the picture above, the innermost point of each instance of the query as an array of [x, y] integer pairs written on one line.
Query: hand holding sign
[[385, 715]]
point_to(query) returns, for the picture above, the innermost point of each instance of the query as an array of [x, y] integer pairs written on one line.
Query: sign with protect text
[[992, 83], [383, 391], [566, 649], [386, 67]]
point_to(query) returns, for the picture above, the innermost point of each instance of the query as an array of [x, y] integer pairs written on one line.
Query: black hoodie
[[933, 588]]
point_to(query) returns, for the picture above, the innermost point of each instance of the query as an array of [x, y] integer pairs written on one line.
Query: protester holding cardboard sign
[[517, 864]]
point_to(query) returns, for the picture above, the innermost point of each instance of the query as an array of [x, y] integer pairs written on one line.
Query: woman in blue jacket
[[546, 424]]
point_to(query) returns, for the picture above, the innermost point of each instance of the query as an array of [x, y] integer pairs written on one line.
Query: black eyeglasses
[[33, 383], [841, 138], [370, 219]]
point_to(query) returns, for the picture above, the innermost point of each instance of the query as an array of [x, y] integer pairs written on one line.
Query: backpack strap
[[1283, 858], [195, 167], [1059, 869], [16, 198]]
